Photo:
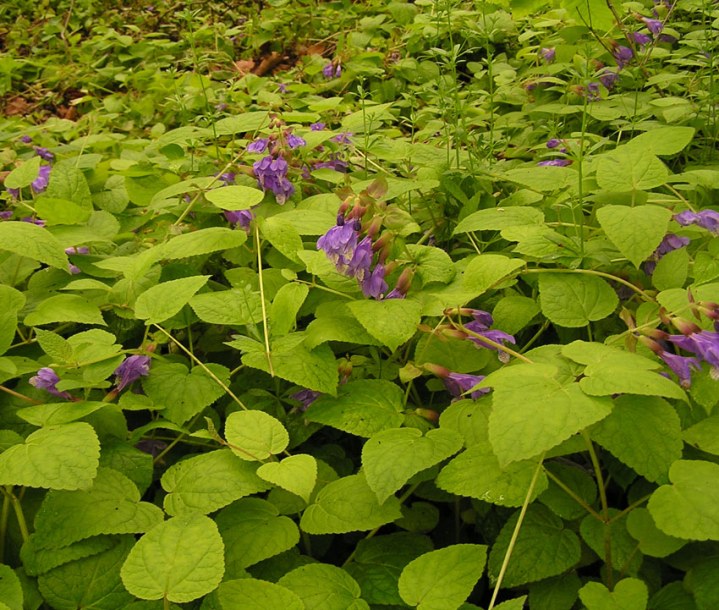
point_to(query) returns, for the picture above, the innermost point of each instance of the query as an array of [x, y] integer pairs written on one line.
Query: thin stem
[[20, 396], [605, 509], [630, 508], [262, 302], [4, 516], [570, 492], [609, 276], [515, 533], [19, 515], [490, 343]]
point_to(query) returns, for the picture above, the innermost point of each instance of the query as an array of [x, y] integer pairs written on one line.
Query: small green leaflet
[[443, 579], [573, 299], [664, 140], [181, 559], [253, 530], [324, 587], [296, 474], [235, 197], [391, 457], [283, 236], [285, 306], [235, 307], [242, 123], [255, 435], [636, 232], [111, 506], [37, 560], [53, 414], [65, 308], [163, 301], [687, 508], [496, 219], [362, 407], [652, 541], [392, 322], [27, 239], [57, 457], [207, 482], [24, 174], [487, 270], [204, 241], [348, 505], [628, 594], [255, 594]]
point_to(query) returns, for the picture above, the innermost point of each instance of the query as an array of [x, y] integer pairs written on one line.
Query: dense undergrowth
[[336, 305]]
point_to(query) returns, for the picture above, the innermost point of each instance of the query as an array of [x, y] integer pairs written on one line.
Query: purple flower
[[704, 344], [131, 369], [623, 55], [548, 55], [6, 215], [46, 379], [339, 244], [152, 446], [227, 178], [666, 38], [608, 78], [373, 285], [655, 26], [294, 141], [332, 71], [306, 397], [282, 87], [272, 175], [44, 153], [459, 383], [317, 126], [258, 146], [40, 183], [553, 143], [342, 138], [593, 92], [668, 244], [707, 219], [241, 218], [336, 164], [34, 221], [77, 250], [641, 39], [555, 163], [395, 293], [14, 192], [361, 260], [25, 139], [480, 326], [681, 365], [74, 269]]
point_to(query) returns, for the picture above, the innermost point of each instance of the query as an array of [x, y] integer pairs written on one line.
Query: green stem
[[490, 343], [262, 302], [609, 276], [19, 515], [568, 490], [630, 508], [605, 509], [515, 533], [4, 516]]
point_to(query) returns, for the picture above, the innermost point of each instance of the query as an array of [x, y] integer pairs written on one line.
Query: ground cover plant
[[336, 305]]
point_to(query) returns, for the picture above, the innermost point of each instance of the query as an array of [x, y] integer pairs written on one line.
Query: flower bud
[[436, 369], [651, 344], [428, 414], [684, 326]]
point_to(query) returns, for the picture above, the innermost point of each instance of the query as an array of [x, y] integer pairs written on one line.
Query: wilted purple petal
[[131, 369]]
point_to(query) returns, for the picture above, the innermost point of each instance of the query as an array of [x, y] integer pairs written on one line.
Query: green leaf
[[31, 241], [476, 472], [671, 270], [597, 15], [687, 508], [111, 506], [136, 465], [316, 369], [55, 346], [558, 593], [513, 313], [163, 301], [242, 123], [573, 477], [496, 219], [324, 587], [204, 241], [458, 356], [702, 580], [433, 264], [90, 582], [283, 236], [11, 302], [285, 306], [207, 482], [704, 435], [310, 221], [551, 412], [334, 322], [69, 183], [235, 307], [56, 457], [65, 308], [544, 548], [391, 457], [542, 179], [443, 579], [296, 474], [638, 422], [664, 140], [53, 414], [61, 211], [235, 197], [254, 594], [184, 394], [364, 407], [392, 322], [348, 505], [255, 435], [180, 560], [627, 168], [253, 530], [652, 541], [11, 589], [574, 300], [622, 547], [24, 174], [636, 232], [628, 594], [487, 270]]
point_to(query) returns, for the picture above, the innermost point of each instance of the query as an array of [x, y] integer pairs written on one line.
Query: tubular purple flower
[[640, 38], [294, 141], [44, 153], [459, 383], [342, 138], [272, 175], [35, 221], [553, 143], [682, 366], [6, 215], [258, 146], [240, 218], [669, 243], [704, 344], [306, 397], [282, 87], [77, 250], [548, 55], [131, 369], [608, 78], [74, 269], [555, 163], [227, 178], [40, 183], [707, 219], [339, 244], [593, 92], [373, 285], [317, 126], [46, 379], [361, 261], [655, 26], [25, 139], [14, 192], [336, 164], [623, 55]]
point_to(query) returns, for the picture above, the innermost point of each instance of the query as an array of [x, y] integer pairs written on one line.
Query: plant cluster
[[416, 305]]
